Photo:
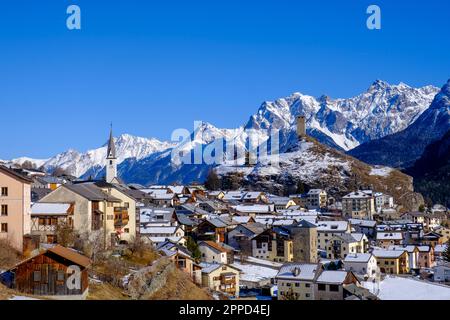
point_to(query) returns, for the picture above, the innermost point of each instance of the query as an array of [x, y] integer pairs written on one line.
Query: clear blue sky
[[153, 66]]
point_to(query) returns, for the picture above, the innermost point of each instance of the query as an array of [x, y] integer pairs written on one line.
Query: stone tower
[[301, 126], [304, 242], [111, 160]]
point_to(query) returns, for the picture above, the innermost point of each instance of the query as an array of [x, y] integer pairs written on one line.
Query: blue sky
[[153, 66]]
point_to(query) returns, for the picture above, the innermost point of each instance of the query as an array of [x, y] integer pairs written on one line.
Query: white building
[[358, 205], [316, 199], [361, 263], [328, 229]]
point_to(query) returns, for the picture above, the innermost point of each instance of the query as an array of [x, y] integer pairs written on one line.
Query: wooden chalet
[[48, 274]]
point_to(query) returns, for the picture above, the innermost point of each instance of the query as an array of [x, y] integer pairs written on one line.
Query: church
[[111, 161]]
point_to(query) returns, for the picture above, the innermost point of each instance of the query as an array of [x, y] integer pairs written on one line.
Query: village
[[129, 241]]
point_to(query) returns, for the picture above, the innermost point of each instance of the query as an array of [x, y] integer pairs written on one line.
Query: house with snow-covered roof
[[46, 217], [213, 252], [330, 284], [327, 229], [361, 263], [358, 205], [221, 278], [296, 280], [273, 244], [316, 199], [390, 238], [413, 254], [392, 261], [341, 245]]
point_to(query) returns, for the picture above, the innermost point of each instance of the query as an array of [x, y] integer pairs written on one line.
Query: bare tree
[[65, 234]]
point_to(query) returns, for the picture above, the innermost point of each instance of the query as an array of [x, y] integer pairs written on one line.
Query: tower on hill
[[301, 127]]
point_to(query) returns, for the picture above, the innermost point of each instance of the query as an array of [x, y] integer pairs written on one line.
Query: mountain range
[[381, 112], [403, 148]]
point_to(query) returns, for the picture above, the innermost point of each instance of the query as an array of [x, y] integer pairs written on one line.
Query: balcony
[[121, 217]]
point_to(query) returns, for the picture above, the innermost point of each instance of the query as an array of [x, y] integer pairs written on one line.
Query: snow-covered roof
[[315, 191], [409, 249], [363, 223], [332, 226], [158, 230], [41, 208], [389, 236], [241, 219], [357, 195], [254, 273], [388, 253], [256, 208], [332, 277], [298, 271], [158, 240], [358, 257]]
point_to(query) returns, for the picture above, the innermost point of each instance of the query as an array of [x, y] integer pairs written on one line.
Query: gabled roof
[[299, 271], [332, 277], [91, 192], [15, 175], [71, 255], [41, 208], [388, 254], [306, 224], [216, 246], [358, 257]]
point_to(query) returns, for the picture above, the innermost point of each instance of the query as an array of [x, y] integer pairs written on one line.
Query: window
[[4, 209], [4, 191], [37, 276], [321, 287], [4, 227], [127, 230], [307, 285], [297, 284], [334, 288], [61, 275], [307, 295]]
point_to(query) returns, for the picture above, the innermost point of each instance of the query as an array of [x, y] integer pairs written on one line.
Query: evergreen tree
[[192, 246], [300, 188], [212, 181]]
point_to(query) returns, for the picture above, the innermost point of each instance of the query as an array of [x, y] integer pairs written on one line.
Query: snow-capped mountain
[[340, 123], [78, 164], [403, 148], [346, 123]]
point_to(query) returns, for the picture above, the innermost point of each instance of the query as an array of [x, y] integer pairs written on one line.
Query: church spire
[[111, 154], [111, 160]]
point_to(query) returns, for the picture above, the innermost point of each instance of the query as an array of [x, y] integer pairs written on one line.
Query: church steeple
[[111, 154], [111, 159]]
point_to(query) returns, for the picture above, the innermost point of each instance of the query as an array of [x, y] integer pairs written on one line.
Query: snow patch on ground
[[397, 288], [381, 171]]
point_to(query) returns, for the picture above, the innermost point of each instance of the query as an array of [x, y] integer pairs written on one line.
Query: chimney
[[301, 127]]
